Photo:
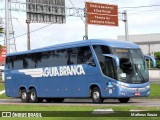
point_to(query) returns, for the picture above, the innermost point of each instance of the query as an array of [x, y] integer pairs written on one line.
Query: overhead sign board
[[46, 11], [102, 14], [98, 19], [102, 8]]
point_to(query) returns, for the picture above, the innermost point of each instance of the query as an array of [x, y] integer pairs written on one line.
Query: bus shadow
[[88, 101]]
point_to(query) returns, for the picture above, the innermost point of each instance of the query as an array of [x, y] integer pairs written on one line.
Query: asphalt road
[[86, 102], [157, 81]]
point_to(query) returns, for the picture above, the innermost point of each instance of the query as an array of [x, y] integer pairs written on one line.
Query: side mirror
[[116, 59], [152, 58]]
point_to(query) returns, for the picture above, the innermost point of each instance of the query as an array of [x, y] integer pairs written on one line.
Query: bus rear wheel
[[96, 95], [33, 96], [123, 100], [24, 96]]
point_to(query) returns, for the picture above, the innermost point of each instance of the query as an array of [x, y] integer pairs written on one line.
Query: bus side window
[[84, 55], [8, 63], [45, 59], [30, 61], [100, 50], [18, 62], [39, 60], [108, 68], [71, 56], [61, 58], [12, 63], [106, 64]]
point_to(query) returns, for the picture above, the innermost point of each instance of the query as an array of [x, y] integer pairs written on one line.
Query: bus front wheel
[[123, 100], [96, 95], [24, 96]]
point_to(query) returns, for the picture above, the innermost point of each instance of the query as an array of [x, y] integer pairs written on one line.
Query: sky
[[141, 20]]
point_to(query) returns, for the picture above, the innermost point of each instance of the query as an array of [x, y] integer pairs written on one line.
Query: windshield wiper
[[139, 72]]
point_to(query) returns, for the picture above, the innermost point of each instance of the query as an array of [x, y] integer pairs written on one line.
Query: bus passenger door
[[109, 70]]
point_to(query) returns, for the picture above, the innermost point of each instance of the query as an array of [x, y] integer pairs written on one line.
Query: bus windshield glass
[[133, 68]]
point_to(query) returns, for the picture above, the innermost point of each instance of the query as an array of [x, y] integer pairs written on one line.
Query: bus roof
[[107, 42]]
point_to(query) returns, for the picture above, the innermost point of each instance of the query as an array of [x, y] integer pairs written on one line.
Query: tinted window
[[9, 63], [84, 55], [18, 62], [72, 56], [100, 50], [44, 59], [106, 63], [30, 60], [60, 58], [69, 56]]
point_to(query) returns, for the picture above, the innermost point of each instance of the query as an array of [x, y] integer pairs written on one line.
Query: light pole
[[28, 34], [7, 25], [126, 25]]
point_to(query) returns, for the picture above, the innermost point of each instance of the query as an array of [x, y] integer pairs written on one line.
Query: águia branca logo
[[55, 71]]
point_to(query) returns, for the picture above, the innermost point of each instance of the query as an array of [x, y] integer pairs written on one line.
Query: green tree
[[0, 48], [157, 56], [1, 30]]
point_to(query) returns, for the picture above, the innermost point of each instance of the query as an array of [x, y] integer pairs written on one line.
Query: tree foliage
[[0, 48], [1, 30], [157, 56]]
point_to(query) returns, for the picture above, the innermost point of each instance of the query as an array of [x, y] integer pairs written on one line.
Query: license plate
[[137, 93]]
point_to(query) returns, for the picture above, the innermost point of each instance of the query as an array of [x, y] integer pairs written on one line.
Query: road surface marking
[[2, 92]]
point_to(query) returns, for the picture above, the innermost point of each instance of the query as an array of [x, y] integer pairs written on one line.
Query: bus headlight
[[148, 87], [121, 86]]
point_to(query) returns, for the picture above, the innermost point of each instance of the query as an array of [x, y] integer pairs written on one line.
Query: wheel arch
[[22, 88], [92, 86], [33, 87]]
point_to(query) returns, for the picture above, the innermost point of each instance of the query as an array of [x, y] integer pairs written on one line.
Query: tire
[[33, 96], [24, 96], [123, 100], [96, 95], [58, 100]]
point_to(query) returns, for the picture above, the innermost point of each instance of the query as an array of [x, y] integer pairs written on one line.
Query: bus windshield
[[133, 68]]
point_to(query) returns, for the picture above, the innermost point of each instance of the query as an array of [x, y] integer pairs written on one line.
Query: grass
[[45, 107], [155, 91], [3, 96], [1, 86]]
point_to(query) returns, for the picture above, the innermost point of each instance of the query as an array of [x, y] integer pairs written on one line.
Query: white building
[[149, 43]]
